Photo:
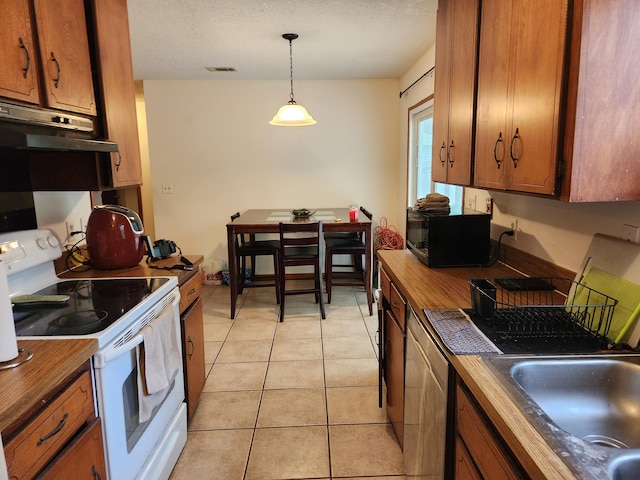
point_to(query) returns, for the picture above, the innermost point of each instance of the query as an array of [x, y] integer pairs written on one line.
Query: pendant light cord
[[291, 69]]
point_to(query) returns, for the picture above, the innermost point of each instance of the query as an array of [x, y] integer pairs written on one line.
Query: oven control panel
[[28, 248]]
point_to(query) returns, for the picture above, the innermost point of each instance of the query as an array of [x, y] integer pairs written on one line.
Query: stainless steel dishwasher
[[425, 414]]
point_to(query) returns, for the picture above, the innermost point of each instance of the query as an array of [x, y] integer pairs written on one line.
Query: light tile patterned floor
[[290, 400]]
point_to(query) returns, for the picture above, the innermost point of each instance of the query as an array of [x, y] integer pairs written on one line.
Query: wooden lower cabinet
[[193, 355], [192, 329], [394, 374], [465, 469], [82, 459], [480, 452], [63, 439], [394, 308]]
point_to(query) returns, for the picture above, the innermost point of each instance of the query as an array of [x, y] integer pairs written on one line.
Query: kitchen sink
[[586, 406], [625, 467], [595, 399]]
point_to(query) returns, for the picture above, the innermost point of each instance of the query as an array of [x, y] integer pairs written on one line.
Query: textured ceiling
[[339, 39]]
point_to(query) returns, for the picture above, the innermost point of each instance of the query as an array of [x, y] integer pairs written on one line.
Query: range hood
[[25, 128]]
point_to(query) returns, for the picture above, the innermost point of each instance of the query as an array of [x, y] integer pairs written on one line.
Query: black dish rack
[[535, 307]]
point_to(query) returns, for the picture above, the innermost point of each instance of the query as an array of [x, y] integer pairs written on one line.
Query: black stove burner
[[82, 321], [93, 306]]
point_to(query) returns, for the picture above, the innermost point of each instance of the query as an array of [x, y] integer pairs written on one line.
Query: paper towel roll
[[8, 342]]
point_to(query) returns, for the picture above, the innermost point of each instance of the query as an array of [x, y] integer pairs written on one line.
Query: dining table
[[267, 221]]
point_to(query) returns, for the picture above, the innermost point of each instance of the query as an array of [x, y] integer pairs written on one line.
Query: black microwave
[[455, 240]]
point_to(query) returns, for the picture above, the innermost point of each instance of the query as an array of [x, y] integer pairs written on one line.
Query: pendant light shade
[[292, 114]]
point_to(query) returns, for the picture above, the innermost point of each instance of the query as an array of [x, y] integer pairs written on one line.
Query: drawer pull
[[450, 154], [25, 69], [443, 147], [54, 432], [495, 150], [56, 80], [96, 474], [515, 158], [192, 291], [193, 347]]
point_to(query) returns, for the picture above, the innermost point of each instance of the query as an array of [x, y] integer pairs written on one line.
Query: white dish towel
[[158, 361]]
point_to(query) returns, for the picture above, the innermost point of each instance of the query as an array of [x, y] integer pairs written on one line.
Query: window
[[420, 148]]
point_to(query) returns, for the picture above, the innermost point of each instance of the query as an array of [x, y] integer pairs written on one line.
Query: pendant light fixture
[[292, 114]]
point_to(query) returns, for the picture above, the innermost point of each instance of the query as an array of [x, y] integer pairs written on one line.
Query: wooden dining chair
[[354, 246], [301, 245], [248, 247]]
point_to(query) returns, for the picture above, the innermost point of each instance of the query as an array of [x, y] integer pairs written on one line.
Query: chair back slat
[[367, 213], [300, 234]]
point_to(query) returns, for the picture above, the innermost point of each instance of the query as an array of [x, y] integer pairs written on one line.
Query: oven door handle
[[102, 359]]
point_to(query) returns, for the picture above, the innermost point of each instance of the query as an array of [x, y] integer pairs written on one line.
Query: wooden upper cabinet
[[455, 82], [117, 89], [65, 57], [520, 80], [18, 60], [602, 149], [439, 163]]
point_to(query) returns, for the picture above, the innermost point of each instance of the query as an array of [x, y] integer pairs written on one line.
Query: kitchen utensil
[[627, 293], [114, 237], [621, 259], [32, 299]]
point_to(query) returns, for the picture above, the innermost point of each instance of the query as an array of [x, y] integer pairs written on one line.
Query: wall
[[55, 209], [416, 94], [211, 141], [146, 190], [556, 231]]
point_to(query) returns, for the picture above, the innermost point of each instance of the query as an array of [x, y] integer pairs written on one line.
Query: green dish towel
[[627, 293]]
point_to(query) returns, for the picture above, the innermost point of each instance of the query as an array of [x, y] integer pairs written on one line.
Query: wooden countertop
[[143, 270], [25, 387], [433, 288]]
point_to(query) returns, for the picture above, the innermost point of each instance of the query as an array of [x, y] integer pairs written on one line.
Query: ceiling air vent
[[221, 69]]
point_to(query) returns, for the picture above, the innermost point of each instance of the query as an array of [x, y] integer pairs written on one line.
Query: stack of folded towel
[[434, 203]]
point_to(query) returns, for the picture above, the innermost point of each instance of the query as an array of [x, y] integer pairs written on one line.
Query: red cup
[[353, 214]]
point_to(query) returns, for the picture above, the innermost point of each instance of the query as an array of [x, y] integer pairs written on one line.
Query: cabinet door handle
[[119, 162], [55, 431], [27, 65], [193, 347], [495, 150], [449, 154], [443, 147], [56, 80], [516, 137], [95, 473]]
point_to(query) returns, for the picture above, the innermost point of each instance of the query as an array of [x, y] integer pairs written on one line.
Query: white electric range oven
[[113, 311]]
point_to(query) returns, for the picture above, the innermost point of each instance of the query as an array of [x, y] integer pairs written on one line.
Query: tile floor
[[290, 400]]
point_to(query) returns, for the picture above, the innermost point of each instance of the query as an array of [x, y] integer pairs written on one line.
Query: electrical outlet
[[489, 206], [470, 201], [514, 226], [631, 233], [70, 228], [167, 188]]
